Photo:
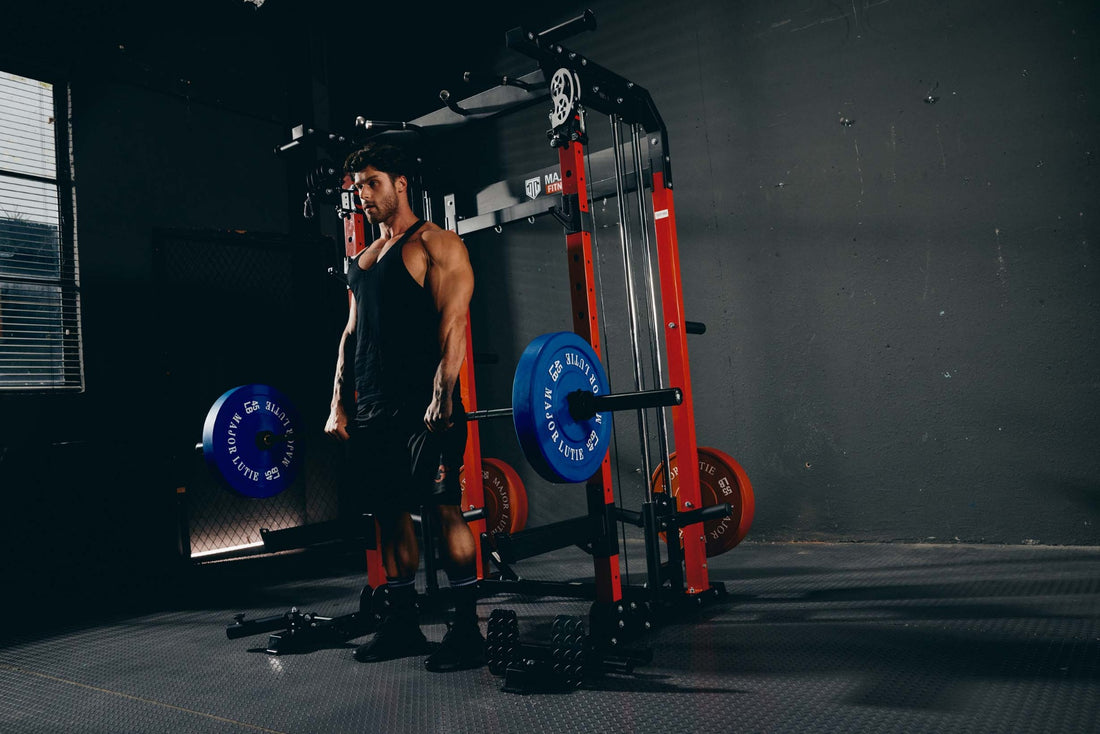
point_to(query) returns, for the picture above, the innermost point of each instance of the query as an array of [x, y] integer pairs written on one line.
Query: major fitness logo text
[[550, 183]]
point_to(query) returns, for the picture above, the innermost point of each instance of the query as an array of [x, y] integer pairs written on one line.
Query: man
[[410, 295]]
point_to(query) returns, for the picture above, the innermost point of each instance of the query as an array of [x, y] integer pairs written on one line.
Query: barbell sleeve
[[583, 404]]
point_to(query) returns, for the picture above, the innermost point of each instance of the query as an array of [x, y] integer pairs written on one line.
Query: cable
[[607, 367]]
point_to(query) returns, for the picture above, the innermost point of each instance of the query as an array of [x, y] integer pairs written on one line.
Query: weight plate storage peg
[[561, 448], [505, 497], [721, 480], [249, 440]]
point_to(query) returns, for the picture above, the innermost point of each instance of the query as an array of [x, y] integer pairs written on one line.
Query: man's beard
[[383, 210]]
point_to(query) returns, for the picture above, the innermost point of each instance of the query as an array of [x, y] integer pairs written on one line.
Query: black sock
[[464, 593], [401, 597]]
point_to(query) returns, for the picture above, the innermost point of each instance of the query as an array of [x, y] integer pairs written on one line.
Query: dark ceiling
[[392, 58]]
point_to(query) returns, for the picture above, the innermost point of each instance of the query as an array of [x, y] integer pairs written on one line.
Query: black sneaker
[[462, 648], [395, 638]]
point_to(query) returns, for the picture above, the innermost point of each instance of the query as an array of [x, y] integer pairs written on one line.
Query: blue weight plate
[[560, 448], [230, 440]]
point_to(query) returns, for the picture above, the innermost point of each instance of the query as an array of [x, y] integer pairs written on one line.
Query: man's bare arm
[[337, 423], [451, 282]]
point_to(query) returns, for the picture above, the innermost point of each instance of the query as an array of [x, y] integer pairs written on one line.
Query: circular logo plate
[[249, 440], [560, 448]]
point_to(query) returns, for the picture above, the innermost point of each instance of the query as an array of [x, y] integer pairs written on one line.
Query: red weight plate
[[505, 497], [517, 493], [721, 479]]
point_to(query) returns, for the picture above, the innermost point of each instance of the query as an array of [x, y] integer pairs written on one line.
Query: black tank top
[[397, 334]]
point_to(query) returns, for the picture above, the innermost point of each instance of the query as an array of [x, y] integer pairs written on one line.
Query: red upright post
[[683, 415], [475, 492], [601, 498]]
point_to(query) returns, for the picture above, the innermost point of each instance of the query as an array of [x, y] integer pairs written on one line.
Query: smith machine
[[686, 516]]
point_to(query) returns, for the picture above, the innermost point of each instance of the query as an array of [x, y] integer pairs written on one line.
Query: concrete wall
[[887, 216]]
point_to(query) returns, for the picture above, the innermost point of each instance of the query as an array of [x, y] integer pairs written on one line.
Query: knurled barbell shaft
[[583, 404], [479, 415]]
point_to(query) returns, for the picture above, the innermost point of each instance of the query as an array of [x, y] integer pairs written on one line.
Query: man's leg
[[400, 551], [399, 634], [461, 559], [463, 646]]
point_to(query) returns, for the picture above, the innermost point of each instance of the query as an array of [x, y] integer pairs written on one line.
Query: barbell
[[560, 398]]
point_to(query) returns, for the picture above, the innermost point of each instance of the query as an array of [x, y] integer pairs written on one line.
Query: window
[[40, 344]]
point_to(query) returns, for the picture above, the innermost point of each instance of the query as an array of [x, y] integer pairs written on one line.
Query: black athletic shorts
[[395, 462]]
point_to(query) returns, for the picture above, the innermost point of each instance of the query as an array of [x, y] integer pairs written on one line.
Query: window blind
[[40, 335]]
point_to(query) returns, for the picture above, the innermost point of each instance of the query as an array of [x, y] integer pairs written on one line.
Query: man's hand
[[438, 415], [337, 424]]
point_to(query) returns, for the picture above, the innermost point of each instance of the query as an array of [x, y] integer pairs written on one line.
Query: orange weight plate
[[721, 479], [517, 494], [505, 497]]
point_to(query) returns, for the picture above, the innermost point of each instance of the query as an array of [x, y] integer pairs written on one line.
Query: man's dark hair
[[389, 159]]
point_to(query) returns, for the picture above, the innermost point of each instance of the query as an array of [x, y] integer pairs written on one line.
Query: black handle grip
[[363, 123], [244, 627]]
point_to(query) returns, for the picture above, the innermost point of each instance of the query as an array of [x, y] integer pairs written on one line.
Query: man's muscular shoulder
[[432, 234], [439, 243]]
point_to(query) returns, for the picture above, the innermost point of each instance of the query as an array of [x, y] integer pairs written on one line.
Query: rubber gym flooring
[[810, 638]]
